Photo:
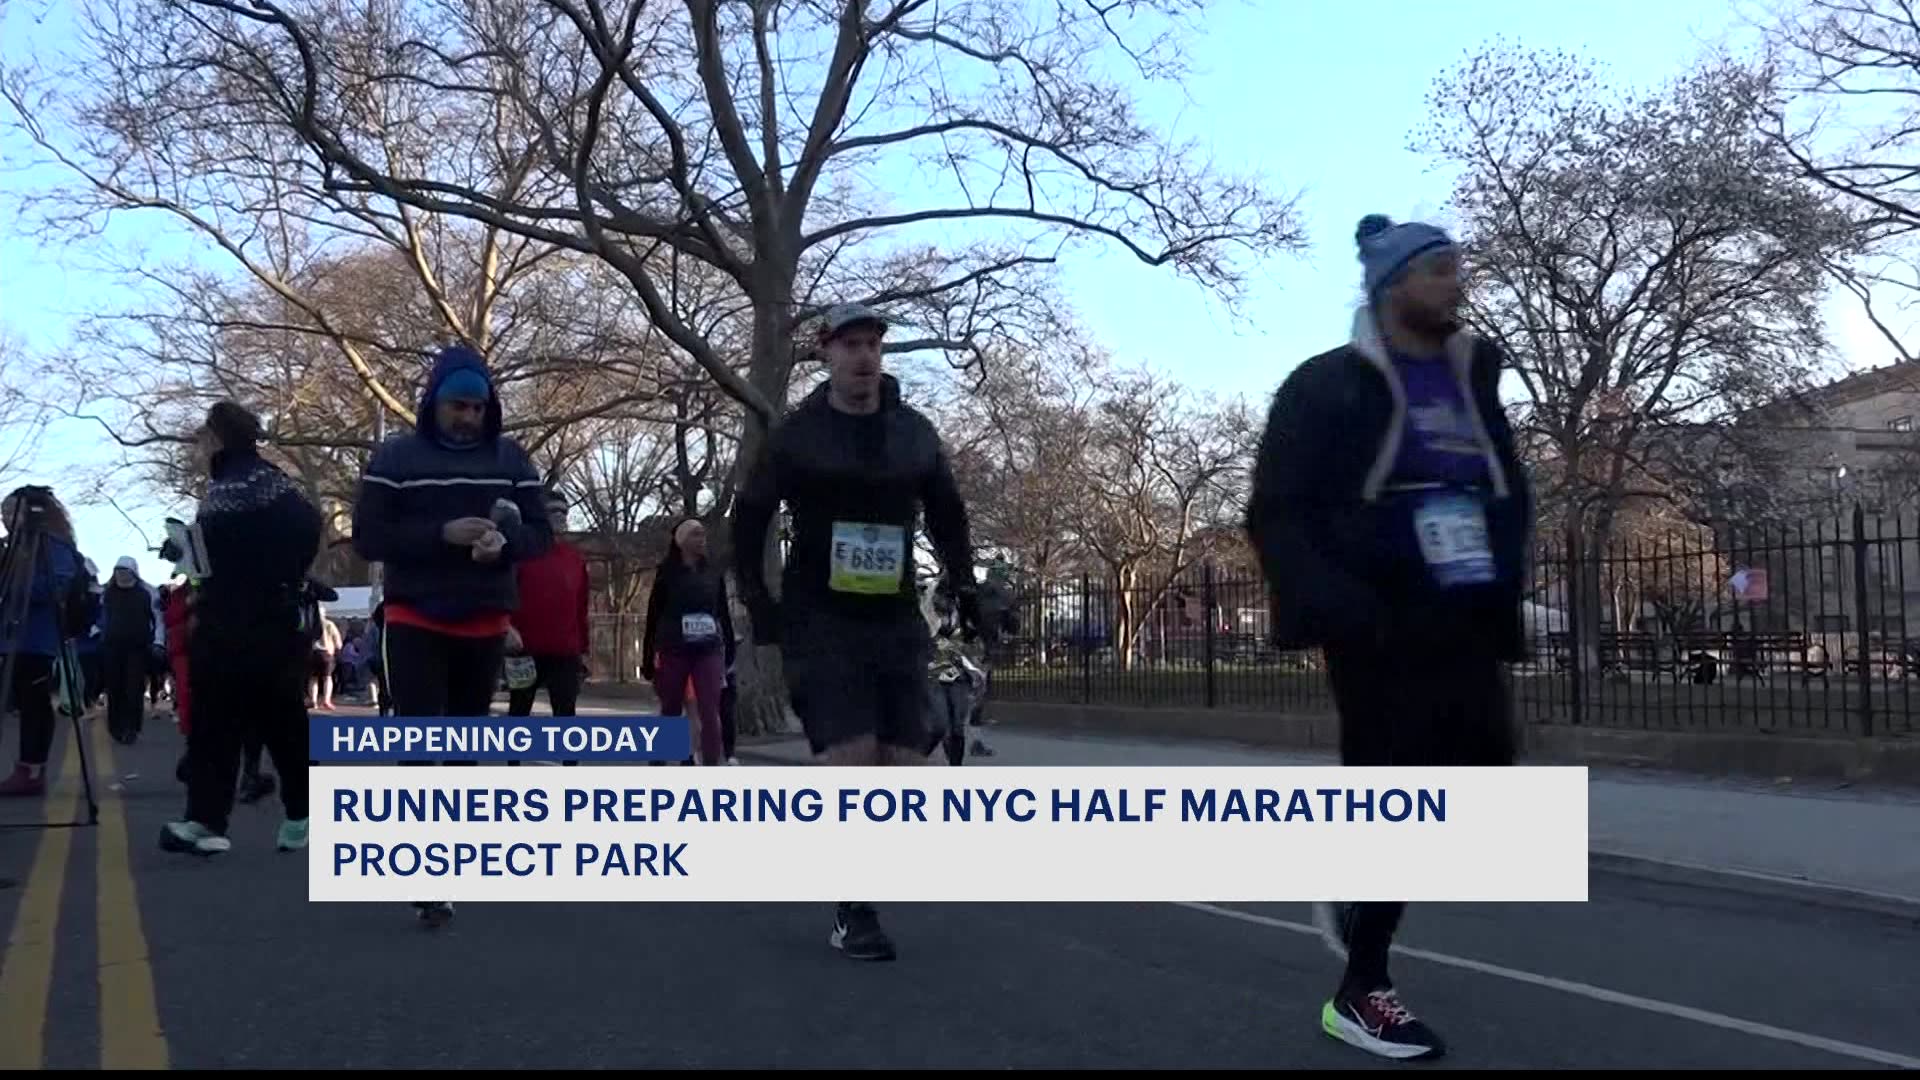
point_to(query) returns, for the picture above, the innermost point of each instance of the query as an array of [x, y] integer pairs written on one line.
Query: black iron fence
[[1812, 628]]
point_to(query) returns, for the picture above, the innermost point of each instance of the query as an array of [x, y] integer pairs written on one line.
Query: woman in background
[[689, 636], [54, 580]]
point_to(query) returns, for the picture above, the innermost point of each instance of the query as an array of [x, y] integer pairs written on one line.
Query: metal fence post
[[1086, 640], [1860, 612], [1576, 649], [1206, 607]]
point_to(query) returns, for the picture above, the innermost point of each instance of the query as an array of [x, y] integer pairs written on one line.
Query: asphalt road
[[119, 954]]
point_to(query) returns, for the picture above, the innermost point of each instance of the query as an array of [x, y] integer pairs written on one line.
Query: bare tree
[[1165, 470], [21, 423], [1853, 67], [1646, 261], [758, 139], [1022, 464]]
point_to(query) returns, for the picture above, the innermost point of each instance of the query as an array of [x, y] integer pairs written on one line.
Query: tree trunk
[[762, 706], [1591, 594], [1125, 633]]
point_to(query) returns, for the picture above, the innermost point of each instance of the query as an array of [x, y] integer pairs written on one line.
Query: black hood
[[451, 359]]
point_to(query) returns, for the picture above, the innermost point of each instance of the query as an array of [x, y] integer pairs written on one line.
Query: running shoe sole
[[1353, 1034]]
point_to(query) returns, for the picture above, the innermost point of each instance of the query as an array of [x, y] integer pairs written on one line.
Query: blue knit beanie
[[465, 384], [1387, 248]]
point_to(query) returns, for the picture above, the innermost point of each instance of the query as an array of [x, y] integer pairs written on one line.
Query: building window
[[1900, 424]]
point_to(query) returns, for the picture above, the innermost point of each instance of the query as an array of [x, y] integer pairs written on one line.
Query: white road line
[[1597, 993]]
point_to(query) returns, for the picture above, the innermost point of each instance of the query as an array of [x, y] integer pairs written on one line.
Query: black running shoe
[[857, 934], [433, 914], [1380, 1025]]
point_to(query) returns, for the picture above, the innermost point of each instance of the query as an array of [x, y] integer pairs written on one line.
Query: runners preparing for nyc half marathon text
[[450, 509], [1392, 520], [854, 466]]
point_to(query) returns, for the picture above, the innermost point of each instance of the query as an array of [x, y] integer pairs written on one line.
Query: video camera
[[30, 506]]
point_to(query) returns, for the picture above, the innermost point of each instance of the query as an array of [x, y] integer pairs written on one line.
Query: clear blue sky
[[1320, 94]]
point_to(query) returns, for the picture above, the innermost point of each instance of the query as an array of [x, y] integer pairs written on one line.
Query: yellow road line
[[130, 1035], [26, 972]]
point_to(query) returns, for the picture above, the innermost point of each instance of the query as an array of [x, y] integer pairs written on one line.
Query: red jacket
[[178, 612], [552, 619]]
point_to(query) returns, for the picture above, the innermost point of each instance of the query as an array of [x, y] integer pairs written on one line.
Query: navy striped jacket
[[417, 483]]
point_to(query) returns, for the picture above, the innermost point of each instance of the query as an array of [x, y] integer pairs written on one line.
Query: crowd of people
[[1389, 512]]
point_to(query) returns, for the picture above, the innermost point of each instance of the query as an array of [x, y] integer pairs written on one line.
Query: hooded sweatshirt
[[855, 486], [418, 482], [129, 623]]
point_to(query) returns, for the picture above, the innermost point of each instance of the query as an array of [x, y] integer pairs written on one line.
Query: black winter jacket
[[855, 486], [679, 591], [415, 485], [1341, 562], [129, 622], [262, 535]]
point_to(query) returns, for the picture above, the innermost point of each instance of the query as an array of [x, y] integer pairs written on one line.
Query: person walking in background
[[57, 607], [376, 659], [450, 510], [689, 636], [326, 655], [157, 650], [124, 649], [551, 623], [1391, 516], [247, 640], [89, 648], [179, 616]]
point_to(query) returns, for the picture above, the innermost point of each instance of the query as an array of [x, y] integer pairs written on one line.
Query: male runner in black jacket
[[854, 464]]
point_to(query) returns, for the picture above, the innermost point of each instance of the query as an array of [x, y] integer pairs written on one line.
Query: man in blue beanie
[[1392, 518], [449, 510]]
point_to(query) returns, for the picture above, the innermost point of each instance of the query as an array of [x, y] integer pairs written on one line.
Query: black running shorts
[[849, 678]]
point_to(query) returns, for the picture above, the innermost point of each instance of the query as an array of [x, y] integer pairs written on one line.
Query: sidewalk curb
[[1754, 883], [1672, 871]]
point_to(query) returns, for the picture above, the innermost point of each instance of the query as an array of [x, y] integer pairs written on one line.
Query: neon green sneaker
[[292, 836]]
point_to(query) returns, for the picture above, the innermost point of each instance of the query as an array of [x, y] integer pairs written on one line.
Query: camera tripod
[[17, 566]]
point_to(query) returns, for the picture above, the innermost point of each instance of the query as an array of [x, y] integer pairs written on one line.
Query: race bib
[[1452, 530], [867, 559], [698, 629], [521, 672]]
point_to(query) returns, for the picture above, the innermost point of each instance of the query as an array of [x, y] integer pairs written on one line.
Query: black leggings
[[559, 676], [33, 696], [243, 692], [1405, 708], [126, 683], [432, 674]]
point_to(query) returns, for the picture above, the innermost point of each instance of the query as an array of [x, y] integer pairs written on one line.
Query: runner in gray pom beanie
[[1387, 248]]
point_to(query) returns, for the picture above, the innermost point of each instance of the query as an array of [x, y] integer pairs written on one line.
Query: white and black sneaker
[[857, 933], [433, 914], [192, 838], [1379, 1024]]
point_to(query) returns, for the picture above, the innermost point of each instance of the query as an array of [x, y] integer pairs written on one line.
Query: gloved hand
[[967, 603], [648, 669]]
